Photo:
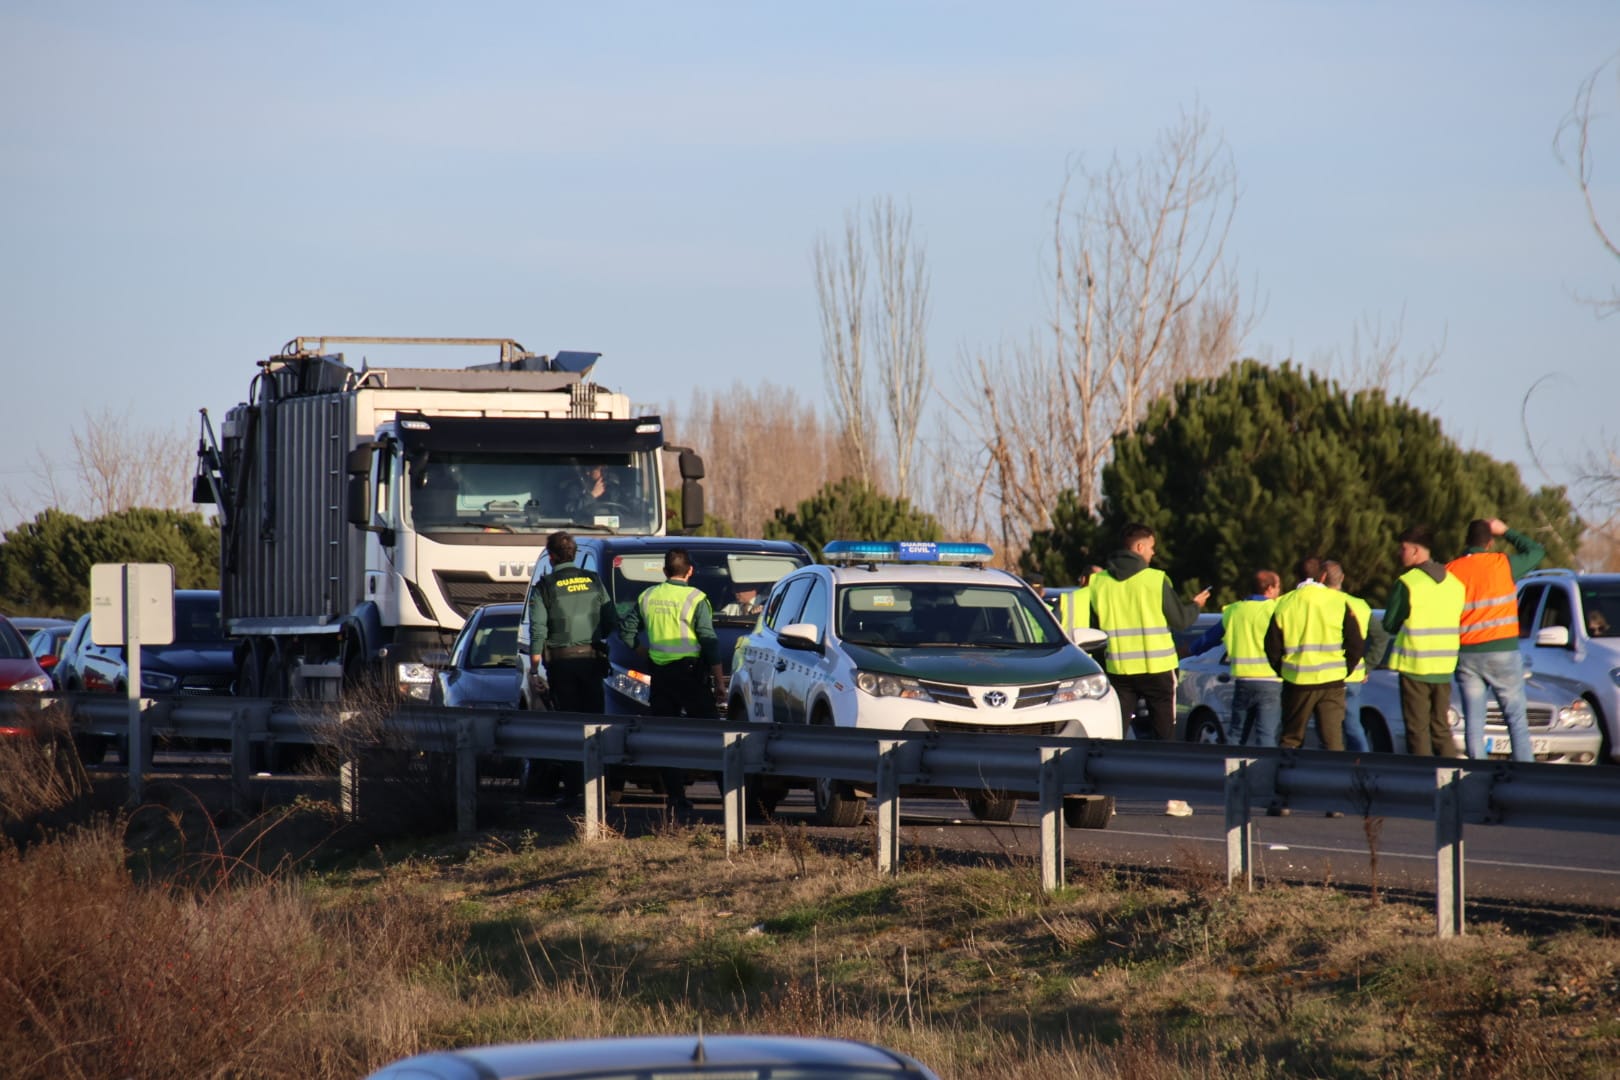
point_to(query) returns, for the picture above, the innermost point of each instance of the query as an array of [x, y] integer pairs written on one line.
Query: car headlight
[[415, 680], [1085, 688], [891, 686], [1577, 714], [158, 683], [635, 685], [34, 683]]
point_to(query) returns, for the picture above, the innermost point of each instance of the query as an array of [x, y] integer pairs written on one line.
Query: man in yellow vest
[[684, 650], [1313, 642], [1424, 613], [1074, 607], [1488, 652], [1256, 690], [1137, 608], [1355, 736]]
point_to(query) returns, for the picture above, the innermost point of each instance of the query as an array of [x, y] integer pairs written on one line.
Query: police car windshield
[[935, 614], [736, 582]]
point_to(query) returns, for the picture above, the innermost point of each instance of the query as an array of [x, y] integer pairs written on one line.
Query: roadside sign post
[[132, 604]]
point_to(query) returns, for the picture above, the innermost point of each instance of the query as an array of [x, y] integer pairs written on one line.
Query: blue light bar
[[905, 551]]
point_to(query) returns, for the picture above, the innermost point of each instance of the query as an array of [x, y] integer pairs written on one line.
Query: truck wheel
[[990, 805], [1088, 811]]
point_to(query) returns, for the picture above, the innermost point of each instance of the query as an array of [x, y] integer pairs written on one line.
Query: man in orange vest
[[1488, 656]]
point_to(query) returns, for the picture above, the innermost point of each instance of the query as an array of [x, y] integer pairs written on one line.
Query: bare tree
[[902, 339], [776, 448], [1572, 146], [1376, 359], [1143, 297], [841, 294], [115, 464]]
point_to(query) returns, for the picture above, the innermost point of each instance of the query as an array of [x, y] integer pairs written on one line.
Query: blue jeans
[[1355, 736], [1503, 673], [1256, 711]]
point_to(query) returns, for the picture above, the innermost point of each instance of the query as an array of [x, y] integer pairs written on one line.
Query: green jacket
[[570, 606], [1400, 606]]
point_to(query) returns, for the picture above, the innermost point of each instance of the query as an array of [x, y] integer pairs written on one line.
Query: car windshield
[[1600, 603], [535, 493], [196, 618], [939, 613], [12, 646], [494, 643], [736, 582]]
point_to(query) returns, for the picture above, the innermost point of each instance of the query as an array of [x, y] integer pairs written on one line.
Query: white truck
[[365, 511]]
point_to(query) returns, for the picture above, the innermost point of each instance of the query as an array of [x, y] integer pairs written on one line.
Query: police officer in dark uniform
[[570, 618], [683, 648]]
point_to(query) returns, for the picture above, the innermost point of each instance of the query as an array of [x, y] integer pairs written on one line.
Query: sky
[[184, 187]]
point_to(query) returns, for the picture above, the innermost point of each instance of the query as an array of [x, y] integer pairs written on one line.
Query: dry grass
[[152, 945]]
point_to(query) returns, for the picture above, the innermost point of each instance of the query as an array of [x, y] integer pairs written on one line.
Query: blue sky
[[186, 186]]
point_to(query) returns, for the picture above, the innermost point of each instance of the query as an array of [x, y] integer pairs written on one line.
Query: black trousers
[[1326, 700], [576, 684], [1158, 691], [681, 688]]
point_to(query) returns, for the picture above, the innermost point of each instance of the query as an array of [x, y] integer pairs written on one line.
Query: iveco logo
[[514, 569], [995, 699]]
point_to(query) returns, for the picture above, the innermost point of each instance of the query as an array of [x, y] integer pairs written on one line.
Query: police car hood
[[975, 666]]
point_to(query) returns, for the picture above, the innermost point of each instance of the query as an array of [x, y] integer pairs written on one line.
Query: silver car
[[677, 1057], [1563, 727]]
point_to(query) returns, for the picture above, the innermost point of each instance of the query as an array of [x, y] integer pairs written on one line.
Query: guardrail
[[1451, 792]]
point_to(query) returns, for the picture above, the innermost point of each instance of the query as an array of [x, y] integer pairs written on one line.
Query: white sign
[[147, 589]]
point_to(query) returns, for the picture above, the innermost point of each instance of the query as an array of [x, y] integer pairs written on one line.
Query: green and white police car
[[916, 637]]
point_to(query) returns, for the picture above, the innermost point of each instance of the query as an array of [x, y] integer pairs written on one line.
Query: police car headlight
[[1577, 714], [1085, 688], [891, 686], [415, 680]]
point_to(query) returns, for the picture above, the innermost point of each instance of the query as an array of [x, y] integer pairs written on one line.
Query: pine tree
[[45, 563], [850, 510]]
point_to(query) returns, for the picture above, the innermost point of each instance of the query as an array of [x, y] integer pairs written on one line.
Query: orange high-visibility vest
[[1491, 607]]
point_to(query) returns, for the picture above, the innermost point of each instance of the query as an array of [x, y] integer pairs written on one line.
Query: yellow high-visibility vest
[[1074, 609], [1311, 619], [1246, 623], [666, 611], [1428, 639], [1363, 613], [1131, 613]]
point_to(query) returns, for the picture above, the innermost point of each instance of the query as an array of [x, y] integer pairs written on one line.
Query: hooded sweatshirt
[[1400, 606], [1125, 564]]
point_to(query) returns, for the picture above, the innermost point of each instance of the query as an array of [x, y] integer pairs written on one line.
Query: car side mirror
[[1088, 637], [801, 635], [1556, 637]]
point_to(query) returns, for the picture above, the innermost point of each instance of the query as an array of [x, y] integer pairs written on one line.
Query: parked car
[[46, 644], [1563, 727], [1569, 625], [198, 661], [884, 639], [84, 665], [26, 625], [674, 1057], [628, 565], [481, 670], [19, 671]]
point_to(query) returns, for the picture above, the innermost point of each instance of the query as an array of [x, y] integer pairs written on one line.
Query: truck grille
[[467, 591]]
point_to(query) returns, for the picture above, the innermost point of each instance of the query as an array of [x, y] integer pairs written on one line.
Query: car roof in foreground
[[735, 1055]]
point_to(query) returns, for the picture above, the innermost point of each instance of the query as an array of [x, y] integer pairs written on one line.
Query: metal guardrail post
[[248, 723], [466, 777], [595, 769], [1051, 792], [1239, 824], [888, 806], [1448, 852], [732, 790]]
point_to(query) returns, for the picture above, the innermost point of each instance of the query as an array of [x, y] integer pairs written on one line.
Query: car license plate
[[1503, 747]]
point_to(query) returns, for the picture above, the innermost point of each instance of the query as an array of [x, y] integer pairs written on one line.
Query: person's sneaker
[[1278, 811], [1178, 808], [1334, 813]]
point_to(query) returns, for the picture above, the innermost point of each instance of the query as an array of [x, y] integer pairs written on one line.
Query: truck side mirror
[[691, 463], [201, 490], [358, 501], [691, 505]]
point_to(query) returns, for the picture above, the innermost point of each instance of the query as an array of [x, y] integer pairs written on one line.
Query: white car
[[1562, 725], [885, 640], [1569, 625]]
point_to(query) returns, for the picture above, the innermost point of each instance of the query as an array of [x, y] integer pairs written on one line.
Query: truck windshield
[[924, 614], [507, 492]]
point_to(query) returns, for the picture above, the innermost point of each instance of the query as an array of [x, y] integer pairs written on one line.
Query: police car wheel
[[837, 806], [1088, 811], [1206, 728], [990, 805]]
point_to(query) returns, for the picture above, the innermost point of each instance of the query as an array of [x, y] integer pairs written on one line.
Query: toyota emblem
[[995, 699]]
